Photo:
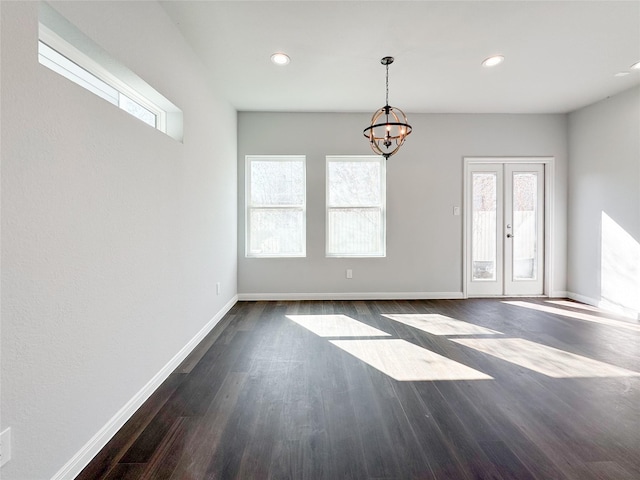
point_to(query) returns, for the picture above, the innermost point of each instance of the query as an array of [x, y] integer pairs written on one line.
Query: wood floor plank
[[286, 461], [166, 457], [101, 466], [203, 347], [126, 471], [203, 443], [266, 397]]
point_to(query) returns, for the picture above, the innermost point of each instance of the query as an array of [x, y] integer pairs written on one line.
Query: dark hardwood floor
[[459, 389]]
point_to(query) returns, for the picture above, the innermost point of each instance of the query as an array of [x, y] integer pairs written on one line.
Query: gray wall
[[424, 183], [604, 203], [113, 234]]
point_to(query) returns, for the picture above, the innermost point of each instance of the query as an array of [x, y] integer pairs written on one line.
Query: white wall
[[113, 234], [424, 183], [604, 203]]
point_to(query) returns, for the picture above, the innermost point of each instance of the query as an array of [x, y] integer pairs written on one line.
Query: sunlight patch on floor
[[439, 324], [577, 315], [406, 362], [543, 359], [579, 306], [336, 326]]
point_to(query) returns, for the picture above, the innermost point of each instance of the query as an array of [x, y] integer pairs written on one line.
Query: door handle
[[510, 236]]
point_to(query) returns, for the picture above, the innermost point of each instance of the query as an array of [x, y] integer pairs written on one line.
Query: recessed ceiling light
[[493, 61], [621, 74], [280, 58], [635, 66]]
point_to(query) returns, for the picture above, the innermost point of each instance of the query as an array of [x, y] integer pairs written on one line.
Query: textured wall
[[604, 203], [113, 234], [424, 183]]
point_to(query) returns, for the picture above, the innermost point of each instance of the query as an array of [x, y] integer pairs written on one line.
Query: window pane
[[355, 231], [277, 182], [354, 184], [137, 110], [484, 240], [525, 193], [60, 64], [276, 206], [276, 231]]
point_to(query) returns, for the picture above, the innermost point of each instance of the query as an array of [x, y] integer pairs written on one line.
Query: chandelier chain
[[387, 95]]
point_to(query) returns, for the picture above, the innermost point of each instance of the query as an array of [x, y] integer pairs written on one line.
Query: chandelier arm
[[372, 128], [392, 124]]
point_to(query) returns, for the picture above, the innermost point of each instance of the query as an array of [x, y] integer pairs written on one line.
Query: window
[[356, 206], [60, 64], [68, 52], [276, 206]]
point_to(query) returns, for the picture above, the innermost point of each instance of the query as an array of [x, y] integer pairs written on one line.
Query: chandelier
[[389, 127]]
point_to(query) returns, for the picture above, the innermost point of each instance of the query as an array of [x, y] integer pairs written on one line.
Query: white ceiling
[[560, 55]]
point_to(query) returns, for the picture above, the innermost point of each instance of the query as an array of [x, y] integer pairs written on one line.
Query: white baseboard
[[559, 294], [607, 306], [350, 296], [81, 459], [583, 299]]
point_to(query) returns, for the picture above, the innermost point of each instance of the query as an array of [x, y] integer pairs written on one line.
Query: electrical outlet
[[349, 273], [218, 288], [5, 446]]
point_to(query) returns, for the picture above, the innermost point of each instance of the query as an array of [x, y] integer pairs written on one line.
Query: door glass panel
[[484, 246], [525, 200]]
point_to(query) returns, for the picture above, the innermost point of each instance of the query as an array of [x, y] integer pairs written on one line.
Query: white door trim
[[549, 188]]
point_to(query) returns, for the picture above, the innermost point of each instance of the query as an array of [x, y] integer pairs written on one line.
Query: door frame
[[549, 233]]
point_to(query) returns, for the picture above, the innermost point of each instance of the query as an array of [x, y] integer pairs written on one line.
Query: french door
[[505, 229]]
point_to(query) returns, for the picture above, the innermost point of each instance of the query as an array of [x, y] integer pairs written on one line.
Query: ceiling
[[559, 55]]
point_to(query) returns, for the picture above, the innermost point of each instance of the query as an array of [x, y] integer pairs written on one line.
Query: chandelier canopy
[[389, 126]]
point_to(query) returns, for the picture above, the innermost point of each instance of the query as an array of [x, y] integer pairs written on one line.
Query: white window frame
[[101, 76], [382, 207], [249, 206]]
